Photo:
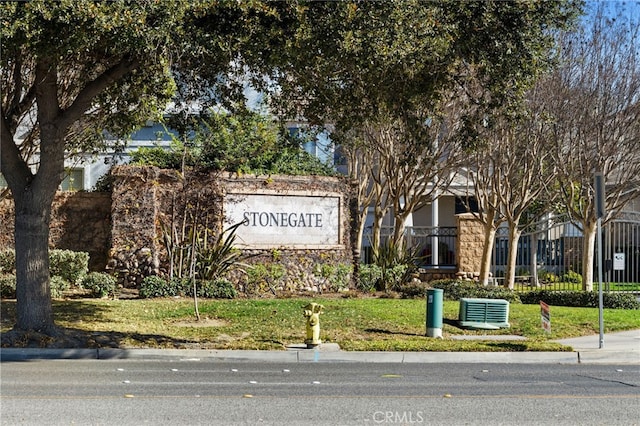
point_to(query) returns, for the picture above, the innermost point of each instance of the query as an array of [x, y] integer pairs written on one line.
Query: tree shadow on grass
[[451, 322], [508, 346], [63, 310], [74, 338], [383, 331]]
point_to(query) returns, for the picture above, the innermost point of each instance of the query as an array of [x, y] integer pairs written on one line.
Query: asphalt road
[[192, 392]]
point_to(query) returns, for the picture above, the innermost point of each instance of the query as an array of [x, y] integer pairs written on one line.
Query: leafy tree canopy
[[350, 60], [245, 142], [70, 69]]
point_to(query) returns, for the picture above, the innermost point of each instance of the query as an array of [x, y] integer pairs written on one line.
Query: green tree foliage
[[407, 82], [244, 142], [71, 69], [348, 60]]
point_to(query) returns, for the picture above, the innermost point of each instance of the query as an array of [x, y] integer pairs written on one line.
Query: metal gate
[[554, 247], [622, 248]]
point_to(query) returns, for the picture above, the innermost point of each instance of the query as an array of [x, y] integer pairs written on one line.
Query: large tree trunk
[[33, 196], [588, 250], [510, 275], [362, 218], [487, 251], [398, 231], [34, 310], [376, 239]]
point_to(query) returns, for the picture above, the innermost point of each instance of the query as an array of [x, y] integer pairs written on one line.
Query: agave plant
[[396, 263], [214, 260]]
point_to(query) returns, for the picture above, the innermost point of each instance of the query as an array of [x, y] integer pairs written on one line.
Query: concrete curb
[[310, 355], [603, 356], [27, 354]]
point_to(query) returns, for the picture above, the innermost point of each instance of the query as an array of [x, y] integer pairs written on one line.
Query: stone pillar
[[134, 242], [469, 246]]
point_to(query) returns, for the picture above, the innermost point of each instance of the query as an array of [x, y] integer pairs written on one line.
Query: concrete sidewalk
[[618, 348], [623, 346]]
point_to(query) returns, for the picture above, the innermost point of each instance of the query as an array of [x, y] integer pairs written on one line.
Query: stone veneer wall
[[80, 221], [123, 231], [469, 247], [148, 202]]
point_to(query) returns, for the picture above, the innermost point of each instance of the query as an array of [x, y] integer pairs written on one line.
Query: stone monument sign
[[295, 220]]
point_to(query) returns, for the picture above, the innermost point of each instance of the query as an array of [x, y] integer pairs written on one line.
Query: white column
[[435, 223]]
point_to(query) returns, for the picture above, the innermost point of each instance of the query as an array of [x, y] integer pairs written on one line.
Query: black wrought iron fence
[[423, 239], [554, 248]]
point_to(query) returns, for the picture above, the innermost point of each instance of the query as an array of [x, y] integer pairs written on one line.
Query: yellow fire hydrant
[[312, 312]]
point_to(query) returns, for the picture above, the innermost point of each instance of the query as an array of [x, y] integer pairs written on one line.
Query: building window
[[73, 180]]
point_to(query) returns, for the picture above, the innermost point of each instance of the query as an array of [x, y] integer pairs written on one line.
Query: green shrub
[[395, 276], [99, 284], [368, 277], [581, 299], [571, 277], [620, 301], [342, 276], [156, 156], [261, 277], [208, 289], [180, 286], [397, 264], [7, 286], [104, 183], [547, 277], [58, 285], [496, 293], [455, 289], [414, 290], [68, 264], [216, 289], [7, 261], [338, 276], [155, 286]]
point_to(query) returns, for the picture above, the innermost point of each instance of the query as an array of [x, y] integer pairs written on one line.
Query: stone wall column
[[134, 243], [470, 245]]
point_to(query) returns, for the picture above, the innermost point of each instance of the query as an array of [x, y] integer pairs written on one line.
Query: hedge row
[[155, 286], [581, 299], [67, 268], [67, 264], [99, 284], [454, 290]]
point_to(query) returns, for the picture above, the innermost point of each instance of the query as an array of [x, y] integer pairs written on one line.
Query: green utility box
[[434, 312], [486, 314]]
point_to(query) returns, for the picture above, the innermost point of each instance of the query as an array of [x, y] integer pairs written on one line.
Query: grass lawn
[[354, 323]]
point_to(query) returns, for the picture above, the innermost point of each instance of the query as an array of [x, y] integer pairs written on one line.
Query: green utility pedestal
[[434, 312]]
